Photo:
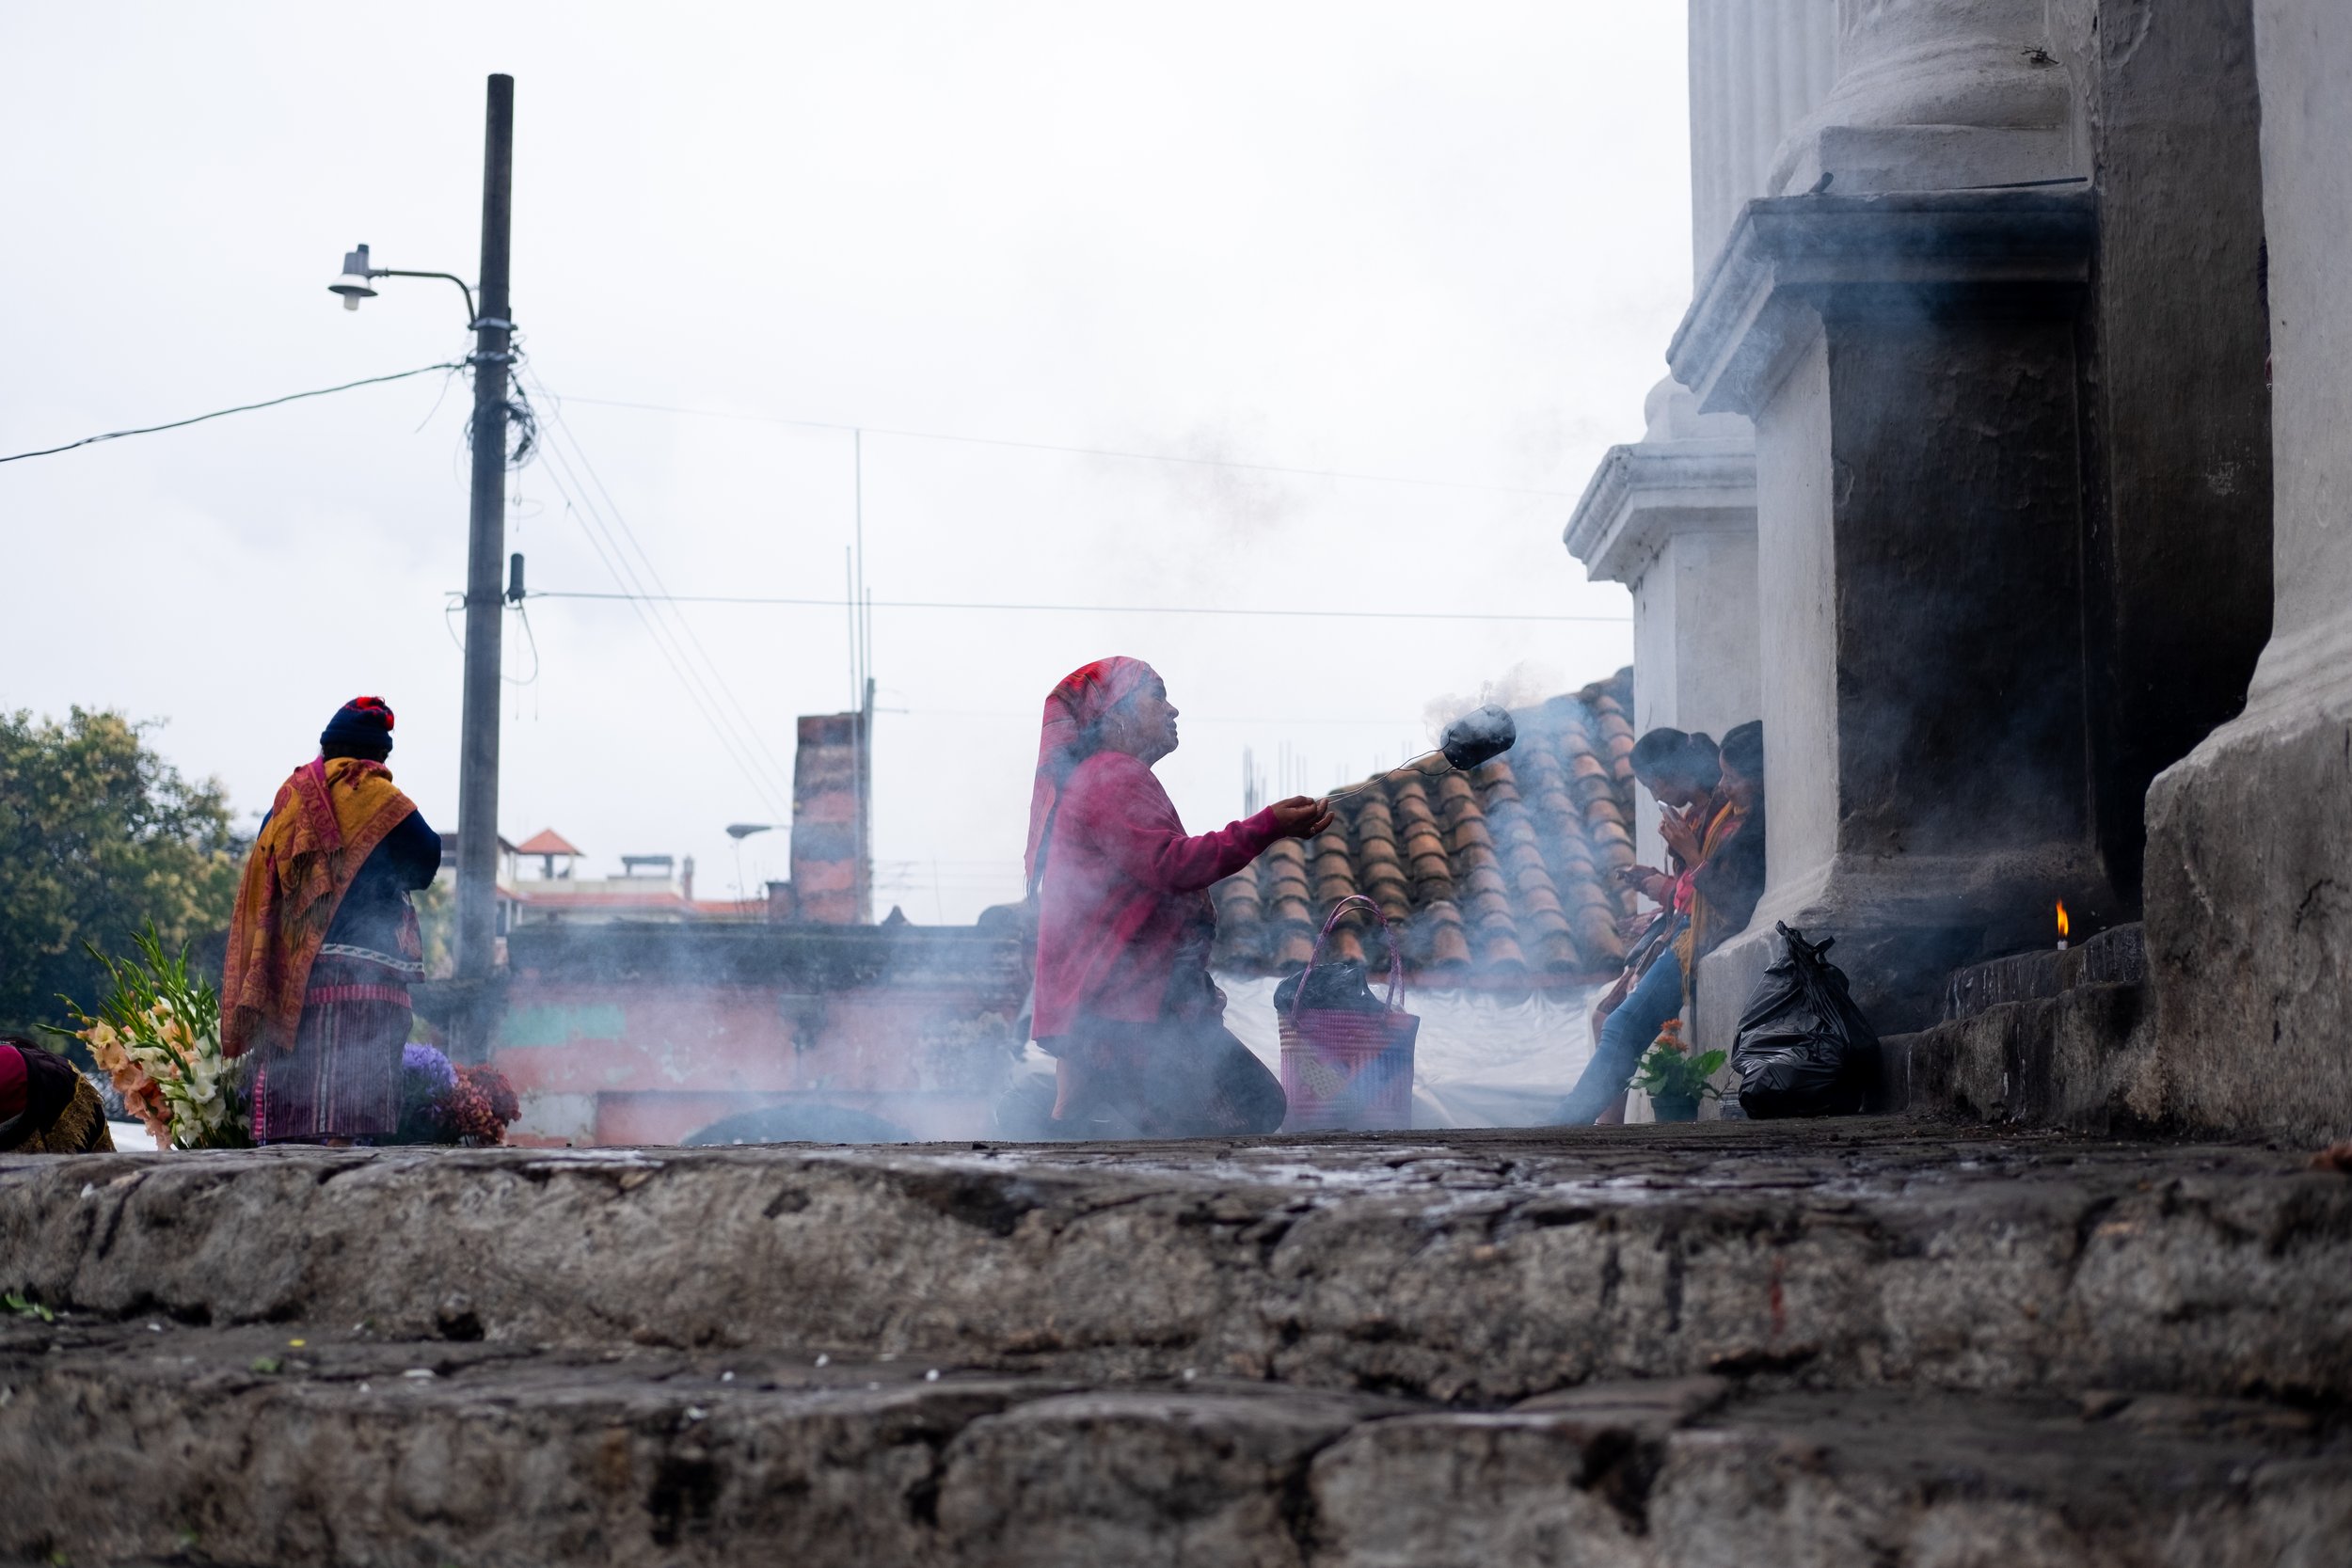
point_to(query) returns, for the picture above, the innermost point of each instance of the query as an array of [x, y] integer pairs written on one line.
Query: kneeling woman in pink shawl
[[1124, 1001]]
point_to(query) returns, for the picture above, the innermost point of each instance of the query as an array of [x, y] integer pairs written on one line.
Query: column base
[[1902, 927], [2248, 887]]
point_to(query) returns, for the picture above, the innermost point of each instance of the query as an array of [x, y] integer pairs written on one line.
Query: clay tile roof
[[1505, 874], [547, 841]]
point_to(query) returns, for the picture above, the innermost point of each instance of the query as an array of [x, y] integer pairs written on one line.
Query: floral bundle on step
[[1670, 1072], [442, 1103], [158, 1037]]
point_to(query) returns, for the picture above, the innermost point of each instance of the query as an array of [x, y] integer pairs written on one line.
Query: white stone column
[[1672, 517], [2249, 880], [1756, 67], [1910, 363], [1935, 95]]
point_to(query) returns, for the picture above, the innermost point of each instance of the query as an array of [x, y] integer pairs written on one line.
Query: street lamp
[[740, 832], [492, 361], [359, 276]]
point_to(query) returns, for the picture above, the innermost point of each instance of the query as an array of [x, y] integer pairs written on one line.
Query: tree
[[99, 835]]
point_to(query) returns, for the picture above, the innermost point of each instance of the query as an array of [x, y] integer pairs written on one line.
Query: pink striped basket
[[1344, 1068]]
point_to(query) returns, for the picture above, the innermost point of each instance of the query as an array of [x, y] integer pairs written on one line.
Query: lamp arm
[[471, 314]]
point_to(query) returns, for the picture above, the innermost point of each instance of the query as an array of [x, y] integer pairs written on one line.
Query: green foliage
[[100, 837], [1667, 1073], [24, 1308]]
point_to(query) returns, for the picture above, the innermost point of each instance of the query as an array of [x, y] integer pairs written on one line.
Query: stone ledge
[[1461, 1268], [124, 1444], [2084, 1060]]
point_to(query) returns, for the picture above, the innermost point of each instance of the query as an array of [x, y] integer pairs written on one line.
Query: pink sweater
[[1124, 894]]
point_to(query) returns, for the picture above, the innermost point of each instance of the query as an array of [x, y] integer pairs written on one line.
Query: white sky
[[1449, 243]]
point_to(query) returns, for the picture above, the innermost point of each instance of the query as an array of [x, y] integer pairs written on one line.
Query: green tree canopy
[[99, 835]]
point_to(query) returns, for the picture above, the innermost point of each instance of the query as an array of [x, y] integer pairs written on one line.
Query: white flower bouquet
[[158, 1039]]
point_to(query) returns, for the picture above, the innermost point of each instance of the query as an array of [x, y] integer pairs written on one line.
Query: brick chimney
[[832, 876]]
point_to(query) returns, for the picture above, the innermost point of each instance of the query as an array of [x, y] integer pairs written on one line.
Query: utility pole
[[486, 553]]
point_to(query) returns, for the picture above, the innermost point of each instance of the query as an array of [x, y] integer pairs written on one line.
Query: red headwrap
[[1071, 709]]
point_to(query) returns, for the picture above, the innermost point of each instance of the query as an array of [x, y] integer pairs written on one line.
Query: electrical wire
[[561, 428], [1107, 608], [241, 408], [1085, 452], [741, 748], [607, 552]]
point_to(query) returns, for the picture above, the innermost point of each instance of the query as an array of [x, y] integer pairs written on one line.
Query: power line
[[748, 728], [1103, 609], [241, 408], [1083, 452], [666, 643]]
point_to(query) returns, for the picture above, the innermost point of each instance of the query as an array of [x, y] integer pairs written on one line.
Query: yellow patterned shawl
[[324, 824]]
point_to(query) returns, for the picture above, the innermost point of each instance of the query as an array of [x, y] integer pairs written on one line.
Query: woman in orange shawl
[[324, 940]]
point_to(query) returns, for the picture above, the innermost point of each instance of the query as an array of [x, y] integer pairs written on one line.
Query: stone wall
[[2250, 863]]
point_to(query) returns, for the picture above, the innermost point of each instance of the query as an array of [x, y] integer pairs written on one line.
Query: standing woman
[[324, 940], [1123, 1000]]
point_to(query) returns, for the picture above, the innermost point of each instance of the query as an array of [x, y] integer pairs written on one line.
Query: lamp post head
[[741, 831], [354, 284]]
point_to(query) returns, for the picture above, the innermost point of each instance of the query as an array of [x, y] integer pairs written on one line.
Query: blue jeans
[[1624, 1036]]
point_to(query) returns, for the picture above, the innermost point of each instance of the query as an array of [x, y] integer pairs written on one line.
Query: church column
[[1909, 360], [1756, 66], [2249, 880]]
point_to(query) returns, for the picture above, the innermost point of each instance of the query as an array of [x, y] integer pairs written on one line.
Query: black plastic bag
[[1803, 1049]]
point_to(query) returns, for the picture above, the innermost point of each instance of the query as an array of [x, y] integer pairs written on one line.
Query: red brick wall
[[832, 877]]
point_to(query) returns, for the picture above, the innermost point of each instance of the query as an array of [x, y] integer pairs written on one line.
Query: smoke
[[1523, 685], [1241, 502]]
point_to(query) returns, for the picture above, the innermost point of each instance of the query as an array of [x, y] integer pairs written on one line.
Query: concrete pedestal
[[1910, 363], [2248, 880], [1672, 517]]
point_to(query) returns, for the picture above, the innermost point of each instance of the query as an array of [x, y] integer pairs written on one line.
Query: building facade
[[2000, 306]]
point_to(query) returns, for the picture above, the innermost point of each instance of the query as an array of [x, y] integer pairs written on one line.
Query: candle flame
[[2061, 912]]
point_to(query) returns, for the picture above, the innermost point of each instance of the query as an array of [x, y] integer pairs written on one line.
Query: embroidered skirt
[[342, 1078]]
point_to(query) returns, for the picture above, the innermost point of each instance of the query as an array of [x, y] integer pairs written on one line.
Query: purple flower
[[422, 1061]]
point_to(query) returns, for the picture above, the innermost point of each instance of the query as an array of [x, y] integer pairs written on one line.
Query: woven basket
[[1343, 1068]]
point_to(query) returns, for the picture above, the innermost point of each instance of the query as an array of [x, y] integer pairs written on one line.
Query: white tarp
[[1478, 1062]]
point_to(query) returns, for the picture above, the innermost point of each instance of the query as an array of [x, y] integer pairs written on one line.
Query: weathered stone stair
[[1858, 1343]]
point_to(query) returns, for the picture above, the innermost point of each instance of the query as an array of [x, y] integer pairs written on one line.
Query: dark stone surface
[[2116, 956], [318, 1443], [2083, 1059], [1456, 1267], [2176, 392], [1848, 1342]]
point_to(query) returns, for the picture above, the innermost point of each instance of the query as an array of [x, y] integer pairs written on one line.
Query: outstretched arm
[[1124, 810]]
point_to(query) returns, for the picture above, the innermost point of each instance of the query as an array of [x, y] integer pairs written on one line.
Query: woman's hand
[[1651, 883], [1300, 817], [1679, 836]]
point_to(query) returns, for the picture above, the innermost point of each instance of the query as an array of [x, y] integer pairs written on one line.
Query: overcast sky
[[1442, 244]]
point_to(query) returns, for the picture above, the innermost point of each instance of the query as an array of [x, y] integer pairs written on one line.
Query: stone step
[[1458, 1268], [302, 1443]]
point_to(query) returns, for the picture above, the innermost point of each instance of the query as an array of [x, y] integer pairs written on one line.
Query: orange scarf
[[1696, 940], [326, 820]]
